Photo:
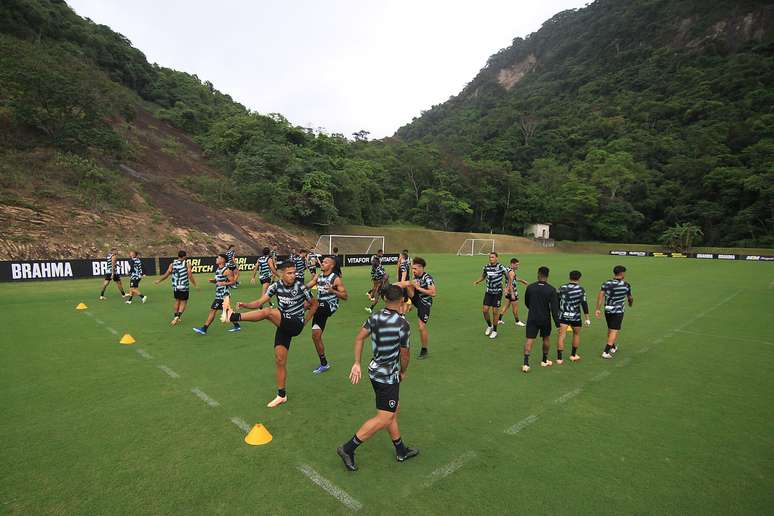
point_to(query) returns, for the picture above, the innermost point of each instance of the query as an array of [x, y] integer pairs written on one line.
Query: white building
[[538, 230]]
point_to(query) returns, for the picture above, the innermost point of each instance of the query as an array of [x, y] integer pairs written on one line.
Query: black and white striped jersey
[[300, 264], [378, 273], [221, 291], [389, 331], [230, 263], [109, 259], [572, 298], [264, 271], [616, 292], [136, 271], [405, 268], [180, 279], [425, 280], [325, 292], [290, 299], [494, 275]]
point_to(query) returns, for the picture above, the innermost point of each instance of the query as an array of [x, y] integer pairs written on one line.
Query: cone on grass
[[127, 339], [81, 306], [258, 435], [569, 329]]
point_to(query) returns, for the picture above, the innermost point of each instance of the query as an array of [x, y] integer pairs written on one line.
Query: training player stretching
[[512, 296], [614, 293], [572, 299], [422, 291], [330, 289], [541, 301], [112, 274], [232, 264], [265, 269], [293, 298], [135, 276], [389, 333], [494, 273], [182, 278], [224, 279], [403, 274], [379, 279]]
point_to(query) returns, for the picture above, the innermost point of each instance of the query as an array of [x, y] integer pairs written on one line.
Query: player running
[[232, 264], [390, 334], [264, 269], [421, 291], [512, 296], [224, 279], [379, 279], [541, 301], [293, 298], [182, 278], [135, 276], [572, 298], [299, 261], [494, 273], [112, 274], [614, 292], [330, 289]]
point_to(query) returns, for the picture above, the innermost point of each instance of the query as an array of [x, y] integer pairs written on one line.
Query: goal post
[[353, 244], [476, 246]]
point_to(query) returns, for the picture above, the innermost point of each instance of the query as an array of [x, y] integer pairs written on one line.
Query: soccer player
[[232, 264], [379, 279], [135, 276], [224, 279], [330, 289], [336, 256], [389, 333], [494, 273], [112, 274], [296, 307], [572, 298], [299, 261], [422, 291], [312, 262], [182, 278], [614, 292], [404, 266], [264, 269], [512, 295], [541, 301]]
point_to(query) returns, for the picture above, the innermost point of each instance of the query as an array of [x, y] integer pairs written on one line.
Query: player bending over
[[614, 292], [224, 279], [389, 333], [330, 289], [541, 301], [572, 298], [296, 308]]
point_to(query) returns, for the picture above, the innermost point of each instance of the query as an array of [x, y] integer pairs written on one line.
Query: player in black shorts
[[112, 274], [330, 290], [512, 294], [232, 264], [390, 335], [135, 276], [224, 279], [541, 301], [422, 291], [572, 300], [614, 292], [379, 279], [296, 308], [494, 273]]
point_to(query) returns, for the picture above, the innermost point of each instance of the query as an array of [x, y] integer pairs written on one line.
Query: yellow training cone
[[81, 306], [569, 329], [127, 339], [258, 435]]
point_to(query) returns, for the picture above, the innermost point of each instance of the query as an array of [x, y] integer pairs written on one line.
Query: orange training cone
[[258, 435], [127, 339], [81, 306]]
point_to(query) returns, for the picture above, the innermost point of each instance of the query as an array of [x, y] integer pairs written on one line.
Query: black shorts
[[544, 329], [320, 318], [134, 283], [423, 310], [512, 297], [287, 329], [493, 299], [114, 277], [569, 322], [265, 280], [614, 321], [181, 295], [217, 304], [403, 276], [387, 395]]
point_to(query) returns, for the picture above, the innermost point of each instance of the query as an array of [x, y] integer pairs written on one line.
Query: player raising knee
[[379, 279], [572, 298], [421, 291], [512, 296], [330, 289], [224, 279]]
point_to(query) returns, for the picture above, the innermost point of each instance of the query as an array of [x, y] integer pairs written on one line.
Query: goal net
[[474, 246], [349, 244]]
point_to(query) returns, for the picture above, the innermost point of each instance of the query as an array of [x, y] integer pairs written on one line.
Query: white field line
[[521, 425], [327, 486], [99, 321], [624, 362], [705, 312], [89, 314], [144, 354], [600, 376], [564, 398], [169, 371], [771, 285], [448, 469], [204, 397], [111, 330], [240, 423], [724, 337], [643, 350]]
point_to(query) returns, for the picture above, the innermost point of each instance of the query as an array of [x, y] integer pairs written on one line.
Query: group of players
[[388, 328]]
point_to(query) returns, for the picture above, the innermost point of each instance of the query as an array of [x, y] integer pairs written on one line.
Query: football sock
[[526, 359], [607, 348], [559, 354], [545, 356], [130, 298], [399, 446], [204, 327], [323, 360], [574, 351], [351, 445], [423, 351], [102, 294], [236, 325], [281, 393], [235, 317]]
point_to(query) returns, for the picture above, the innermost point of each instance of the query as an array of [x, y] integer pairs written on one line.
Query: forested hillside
[[613, 122]]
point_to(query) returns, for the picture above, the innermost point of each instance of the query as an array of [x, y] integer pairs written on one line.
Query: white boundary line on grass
[[169, 371], [204, 397], [741, 339], [240, 423], [568, 396], [448, 469], [521, 425], [111, 330], [143, 353], [330, 488]]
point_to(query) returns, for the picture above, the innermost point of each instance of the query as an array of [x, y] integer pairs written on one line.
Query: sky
[[339, 65]]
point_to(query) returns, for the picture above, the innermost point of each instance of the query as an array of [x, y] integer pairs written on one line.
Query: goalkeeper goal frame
[[325, 242], [476, 246]]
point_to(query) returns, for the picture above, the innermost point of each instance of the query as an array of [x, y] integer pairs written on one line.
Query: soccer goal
[[474, 246], [349, 244]]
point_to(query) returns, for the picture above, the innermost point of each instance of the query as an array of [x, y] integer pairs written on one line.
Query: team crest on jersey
[[392, 403]]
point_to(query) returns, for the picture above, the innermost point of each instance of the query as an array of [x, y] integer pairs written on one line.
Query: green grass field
[[679, 422]]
